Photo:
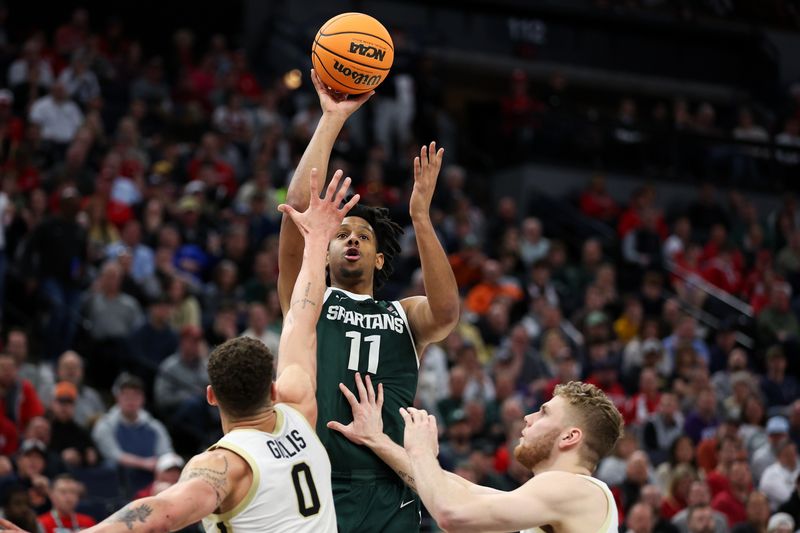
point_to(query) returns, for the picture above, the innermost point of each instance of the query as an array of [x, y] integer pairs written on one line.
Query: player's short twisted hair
[[240, 373], [600, 420], [387, 233]]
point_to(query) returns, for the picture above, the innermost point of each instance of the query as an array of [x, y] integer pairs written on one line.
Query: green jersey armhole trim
[[251, 493], [402, 313]]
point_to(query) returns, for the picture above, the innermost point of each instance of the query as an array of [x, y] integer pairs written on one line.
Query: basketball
[[352, 53]]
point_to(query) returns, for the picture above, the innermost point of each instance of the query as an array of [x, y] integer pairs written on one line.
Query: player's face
[[540, 434], [352, 254]]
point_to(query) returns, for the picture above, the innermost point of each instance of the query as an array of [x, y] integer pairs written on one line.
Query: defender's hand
[[323, 216], [426, 172], [367, 424], [421, 434]]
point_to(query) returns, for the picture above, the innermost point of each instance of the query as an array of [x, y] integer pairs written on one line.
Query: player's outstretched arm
[[336, 109], [205, 483], [433, 317], [297, 362], [455, 507]]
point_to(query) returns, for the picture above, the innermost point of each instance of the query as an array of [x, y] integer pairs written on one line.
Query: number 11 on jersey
[[374, 342]]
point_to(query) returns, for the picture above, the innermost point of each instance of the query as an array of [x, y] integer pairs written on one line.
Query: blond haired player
[[561, 444], [269, 472]]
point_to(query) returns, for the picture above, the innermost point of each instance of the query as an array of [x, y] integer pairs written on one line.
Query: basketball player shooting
[[562, 444], [269, 472], [359, 335]]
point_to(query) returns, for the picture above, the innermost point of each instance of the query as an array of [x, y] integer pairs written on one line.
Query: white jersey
[[291, 490], [611, 524]]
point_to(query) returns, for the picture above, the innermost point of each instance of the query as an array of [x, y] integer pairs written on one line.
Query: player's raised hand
[[323, 216], [337, 103], [421, 434], [367, 422], [426, 172]]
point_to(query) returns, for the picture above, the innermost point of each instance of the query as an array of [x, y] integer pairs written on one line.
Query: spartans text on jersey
[[370, 321]]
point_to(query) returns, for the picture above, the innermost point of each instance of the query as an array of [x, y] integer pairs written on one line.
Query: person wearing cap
[[128, 436], [777, 431], [778, 480], [780, 523], [168, 472], [31, 462], [70, 440], [65, 495], [89, 406]]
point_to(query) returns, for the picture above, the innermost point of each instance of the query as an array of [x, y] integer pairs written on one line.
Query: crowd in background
[[139, 230]]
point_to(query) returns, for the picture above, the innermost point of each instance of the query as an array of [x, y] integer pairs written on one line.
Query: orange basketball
[[352, 53]]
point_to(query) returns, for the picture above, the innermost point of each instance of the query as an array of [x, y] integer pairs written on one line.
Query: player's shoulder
[[219, 460], [568, 483]]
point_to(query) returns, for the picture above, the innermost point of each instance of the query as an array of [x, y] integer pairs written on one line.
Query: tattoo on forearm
[[305, 299], [408, 480], [130, 515], [217, 479]]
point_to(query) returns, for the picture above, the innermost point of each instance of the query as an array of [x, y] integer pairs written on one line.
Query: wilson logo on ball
[[367, 51], [358, 78]]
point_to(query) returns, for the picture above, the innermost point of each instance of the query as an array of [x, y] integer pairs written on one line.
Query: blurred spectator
[[257, 327], [180, 386], [534, 246], [731, 502], [71, 441], [30, 66], [699, 496], [722, 379], [703, 417], [778, 388], [757, 515], [128, 436], [56, 262], [678, 490], [778, 480], [65, 495], [612, 468], [663, 427], [79, 81], [681, 454], [39, 374], [168, 471], [792, 505], [777, 322], [491, 287], [652, 496], [777, 433], [17, 509], [639, 519], [700, 519], [685, 334], [780, 523], [88, 406], [596, 202], [155, 340], [30, 472], [18, 399], [58, 117]]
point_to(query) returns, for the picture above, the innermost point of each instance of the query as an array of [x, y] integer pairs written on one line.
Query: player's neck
[[564, 462], [264, 420], [357, 287]]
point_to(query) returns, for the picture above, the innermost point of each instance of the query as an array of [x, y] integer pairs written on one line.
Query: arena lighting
[[293, 79]]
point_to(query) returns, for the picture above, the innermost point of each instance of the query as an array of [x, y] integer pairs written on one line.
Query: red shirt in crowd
[[728, 504], [9, 436], [27, 404], [53, 521]]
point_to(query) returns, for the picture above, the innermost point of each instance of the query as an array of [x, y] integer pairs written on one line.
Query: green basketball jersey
[[357, 333]]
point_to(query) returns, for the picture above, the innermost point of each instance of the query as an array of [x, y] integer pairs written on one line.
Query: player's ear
[[379, 259], [570, 438], [210, 396]]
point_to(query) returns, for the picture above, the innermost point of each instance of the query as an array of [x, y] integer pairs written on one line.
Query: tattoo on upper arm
[[408, 480], [130, 515], [217, 479]]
